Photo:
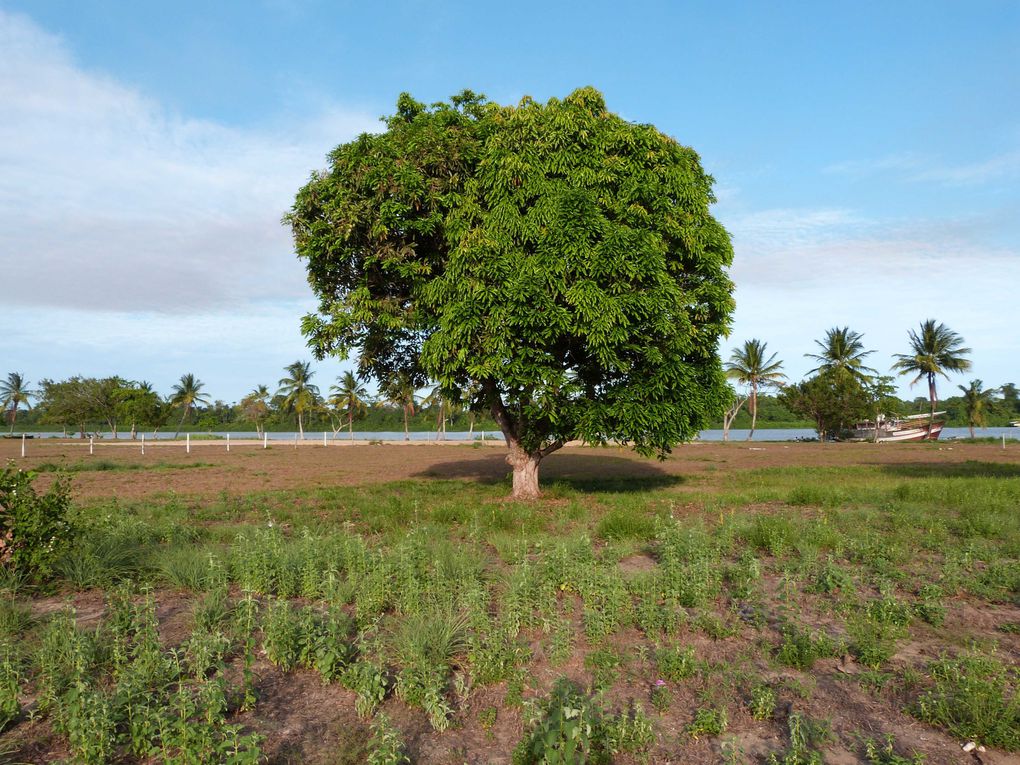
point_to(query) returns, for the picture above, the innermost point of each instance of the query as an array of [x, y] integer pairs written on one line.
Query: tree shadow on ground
[[968, 469], [580, 472]]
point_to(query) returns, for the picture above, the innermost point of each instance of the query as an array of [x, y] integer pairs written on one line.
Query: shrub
[[33, 528]]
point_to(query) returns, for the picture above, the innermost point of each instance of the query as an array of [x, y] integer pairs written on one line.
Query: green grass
[[441, 595]]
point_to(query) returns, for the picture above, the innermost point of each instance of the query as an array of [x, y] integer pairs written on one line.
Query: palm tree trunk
[[301, 424], [754, 410], [181, 423], [932, 397], [407, 434], [13, 417], [350, 423]]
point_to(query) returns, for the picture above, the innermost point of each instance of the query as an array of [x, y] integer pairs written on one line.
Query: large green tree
[[70, 402], [752, 366], [935, 350], [833, 400], [561, 258], [14, 393]]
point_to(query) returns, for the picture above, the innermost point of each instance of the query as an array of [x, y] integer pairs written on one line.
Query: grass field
[[773, 603]]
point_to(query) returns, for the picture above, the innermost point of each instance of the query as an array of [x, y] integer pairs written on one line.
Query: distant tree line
[[842, 391], [114, 405], [837, 393]]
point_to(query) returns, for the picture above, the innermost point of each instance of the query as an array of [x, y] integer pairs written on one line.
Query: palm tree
[[299, 394], [935, 350], [975, 402], [842, 349], [350, 396], [400, 392], [13, 393], [749, 366], [447, 407], [255, 406], [187, 393]]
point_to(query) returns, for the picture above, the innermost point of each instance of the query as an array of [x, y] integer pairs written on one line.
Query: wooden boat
[[914, 427]]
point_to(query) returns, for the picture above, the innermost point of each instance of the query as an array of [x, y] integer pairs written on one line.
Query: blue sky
[[866, 156]]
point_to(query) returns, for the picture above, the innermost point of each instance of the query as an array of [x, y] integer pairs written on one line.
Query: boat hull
[[888, 434]]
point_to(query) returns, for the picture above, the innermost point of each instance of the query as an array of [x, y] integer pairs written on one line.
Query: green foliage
[[565, 729], [34, 529], [833, 400], [562, 257], [676, 663], [386, 747], [762, 702], [974, 696], [707, 722], [10, 676], [885, 754], [801, 751]]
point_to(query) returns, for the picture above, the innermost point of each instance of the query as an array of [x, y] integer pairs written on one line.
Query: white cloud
[[107, 199], [800, 272]]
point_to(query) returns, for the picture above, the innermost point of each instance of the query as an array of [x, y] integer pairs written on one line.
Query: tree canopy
[[560, 257]]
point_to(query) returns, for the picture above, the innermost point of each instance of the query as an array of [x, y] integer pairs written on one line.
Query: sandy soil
[[248, 467]]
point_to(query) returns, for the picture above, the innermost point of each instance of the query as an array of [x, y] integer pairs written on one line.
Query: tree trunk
[[134, 430], [932, 396], [350, 423], [754, 410], [181, 423], [14, 416], [525, 479], [407, 434], [301, 425], [971, 426]]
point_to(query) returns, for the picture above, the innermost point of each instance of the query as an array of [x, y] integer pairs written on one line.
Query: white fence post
[[265, 440], [92, 444], [187, 442], [23, 444], [228, 442], [324, 438], [143, 444]]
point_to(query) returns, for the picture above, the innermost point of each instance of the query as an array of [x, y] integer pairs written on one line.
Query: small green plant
[[975, 696], [281, 634], [762, 702], [604, 665], [801, 649], [830, 578], [708, 721], [676, 663], [368, 681], [565, 729], [487, 718], [10, 705], [929, 605], [885, 754], [629, 732], [34, 529], [662, 697], [802, 739], [386, 746]]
